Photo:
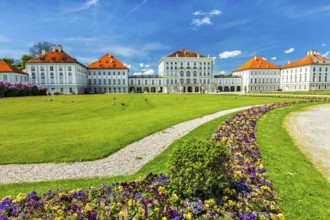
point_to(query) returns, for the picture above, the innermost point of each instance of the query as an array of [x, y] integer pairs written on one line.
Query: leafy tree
[[8, 60], [24, 59], [37, 48]]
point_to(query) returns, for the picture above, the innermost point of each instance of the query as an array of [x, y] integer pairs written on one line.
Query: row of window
[[110, 90], [188, 73], [107, 82], [301, 70], [265, 80], [262, 73], [188, 67], [299, 78], [17, 78], [106, 73], [188, 63]]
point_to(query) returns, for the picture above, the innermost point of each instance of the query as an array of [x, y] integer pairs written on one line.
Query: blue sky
[[140, 32]]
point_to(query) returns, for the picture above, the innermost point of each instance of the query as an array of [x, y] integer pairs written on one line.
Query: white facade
[[108, 80], [53, 72], [228, 84], [256, 80], [13, 77], [306, 74], [183, 74], [146, 83]]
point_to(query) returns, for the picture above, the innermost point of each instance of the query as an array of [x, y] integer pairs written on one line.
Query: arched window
[[52, 80], [42, 78], [61, 78], [188, 73], [181, 73], [70, 77]]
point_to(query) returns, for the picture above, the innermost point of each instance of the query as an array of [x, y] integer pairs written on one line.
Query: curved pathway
[[127, 160], [310, 130]]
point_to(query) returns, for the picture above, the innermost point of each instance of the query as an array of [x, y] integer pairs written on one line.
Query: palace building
[[259, 75], [307, 74], [186, 71], [108, 75], [183, 71], [9, 73], [58, 72]]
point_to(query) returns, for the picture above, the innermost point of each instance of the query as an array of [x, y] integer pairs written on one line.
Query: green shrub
[[199, 167]]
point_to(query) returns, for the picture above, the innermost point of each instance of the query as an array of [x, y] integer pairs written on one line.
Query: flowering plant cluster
[[8, 89], [145, 198], [248, 196]]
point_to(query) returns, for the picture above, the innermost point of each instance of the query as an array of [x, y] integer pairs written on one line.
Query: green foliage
[[24, 59], [8, 60], [199, 167]]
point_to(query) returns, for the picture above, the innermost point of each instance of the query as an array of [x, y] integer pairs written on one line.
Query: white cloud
[[229, 54], [141, 65], [145, 72], [127, 65], [86, 60], [290, 50], [326, 54], [199, 22], [323, 45], [206, 19], [264, 58], [273, 58], [223, 72], [213, 12]]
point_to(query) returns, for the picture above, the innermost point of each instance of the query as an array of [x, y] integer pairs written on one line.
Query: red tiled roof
[[54, 57], [185, 53], [308, 60], [6, 68], [108, 61], [256, 63]]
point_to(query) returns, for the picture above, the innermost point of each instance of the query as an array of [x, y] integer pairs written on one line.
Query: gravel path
[[128, 160], [310, 129]]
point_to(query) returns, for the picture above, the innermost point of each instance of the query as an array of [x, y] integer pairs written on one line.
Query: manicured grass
[[80, 128], [158, 165], [302, 191], [297, 93]]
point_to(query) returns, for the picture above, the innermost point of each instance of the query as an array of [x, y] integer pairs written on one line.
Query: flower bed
[[20, 89], [249, 195]]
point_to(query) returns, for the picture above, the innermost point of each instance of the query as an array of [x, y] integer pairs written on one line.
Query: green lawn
[[80, 128], [158, 165], [303, 192], [297, 93]]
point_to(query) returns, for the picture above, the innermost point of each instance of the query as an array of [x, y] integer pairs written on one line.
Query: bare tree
[[37, 48]]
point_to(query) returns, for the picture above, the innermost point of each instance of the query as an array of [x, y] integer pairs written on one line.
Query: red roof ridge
[[185, 53], [312, 57], [256, 62], [107, 61], [6, 68]]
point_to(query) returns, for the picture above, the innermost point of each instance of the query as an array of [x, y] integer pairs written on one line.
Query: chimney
[[43, 52], [176, 55], [54, 48], [289, 62], [59, 48], [198, 55], [255, 57]]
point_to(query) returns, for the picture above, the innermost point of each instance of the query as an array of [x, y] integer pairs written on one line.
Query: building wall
[[59, 77], [228, 84], [187, 74], [306, 78], [14, 77], [260, 79], [150, 84], [108, 80]]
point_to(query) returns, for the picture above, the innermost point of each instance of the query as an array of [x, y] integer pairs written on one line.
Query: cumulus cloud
[[229, 54], [206, 20], [199, 22], [145, 72], [127, 65], [264, 58], [326, 54], [273, 58], [290, 50], [222, 72]]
